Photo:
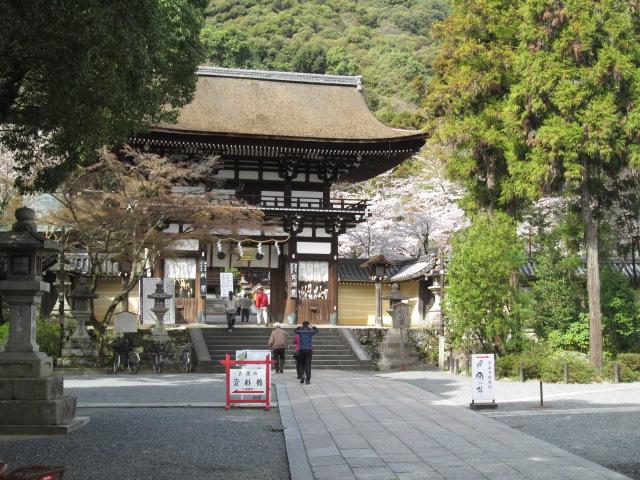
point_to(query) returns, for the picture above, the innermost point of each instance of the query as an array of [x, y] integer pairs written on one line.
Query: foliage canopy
[[76, 75]]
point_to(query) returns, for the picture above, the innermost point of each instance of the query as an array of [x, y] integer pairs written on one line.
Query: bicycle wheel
[[133, 363], [116, 363]]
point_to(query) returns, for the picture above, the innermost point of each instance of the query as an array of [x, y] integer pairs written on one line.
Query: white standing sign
[[248, 381], [483, 376], [252, 355], [226, 284]]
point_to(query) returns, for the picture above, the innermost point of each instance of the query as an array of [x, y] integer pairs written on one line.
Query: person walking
[[296, 356], [262, 305], [230, 308], [278, 346], [245, 308], [306, 349]]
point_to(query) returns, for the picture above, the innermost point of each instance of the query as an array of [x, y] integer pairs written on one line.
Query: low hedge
[[546, 366]]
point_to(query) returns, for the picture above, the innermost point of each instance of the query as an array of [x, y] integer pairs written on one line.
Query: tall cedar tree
[[468, 94], [79, 74], [575, 112]]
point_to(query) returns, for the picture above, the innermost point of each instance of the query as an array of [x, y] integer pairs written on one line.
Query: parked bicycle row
[[128, 357]]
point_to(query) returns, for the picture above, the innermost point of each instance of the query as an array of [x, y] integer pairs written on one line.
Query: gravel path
[[600, 422], [158, 443]]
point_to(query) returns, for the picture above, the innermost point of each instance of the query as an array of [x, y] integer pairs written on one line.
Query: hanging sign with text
[[203, 276], [483, 375], [226, 284], [293, 280]]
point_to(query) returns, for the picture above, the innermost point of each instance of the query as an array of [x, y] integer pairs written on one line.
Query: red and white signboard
[[248, 381], [483, 379], [253, 379]]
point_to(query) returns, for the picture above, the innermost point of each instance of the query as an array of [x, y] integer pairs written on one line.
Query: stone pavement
[[359, 426]]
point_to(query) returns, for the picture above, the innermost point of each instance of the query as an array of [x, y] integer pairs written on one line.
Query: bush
[[425, 341], [631, 360], [4, 333], [547, 366], [370, 338], [48, 337], [626, 374], [628, 367]]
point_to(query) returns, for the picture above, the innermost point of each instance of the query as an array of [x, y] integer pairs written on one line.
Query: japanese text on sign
[[483, 378], [203, 277], [226, 284], [293, 280], [248, 381]]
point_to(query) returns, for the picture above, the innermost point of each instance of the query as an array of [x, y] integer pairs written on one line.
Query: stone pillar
[[396, 351], [31, 398], [378, 319]]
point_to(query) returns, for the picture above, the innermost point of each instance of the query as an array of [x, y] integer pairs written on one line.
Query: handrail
[[268, 201]]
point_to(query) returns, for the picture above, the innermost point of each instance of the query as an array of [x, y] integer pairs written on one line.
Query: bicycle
[[158, 353], [186, 363], [132, 365]]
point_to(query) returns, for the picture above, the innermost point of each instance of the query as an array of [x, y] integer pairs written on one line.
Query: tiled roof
[[415, 270], [349, 269]]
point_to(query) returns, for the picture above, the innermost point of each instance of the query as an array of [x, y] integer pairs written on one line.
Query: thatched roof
[[281, 105]]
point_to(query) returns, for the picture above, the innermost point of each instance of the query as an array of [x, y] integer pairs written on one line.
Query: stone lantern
[[79, 351], [393, 354], [159, 309], [22, 290], [31, 399]]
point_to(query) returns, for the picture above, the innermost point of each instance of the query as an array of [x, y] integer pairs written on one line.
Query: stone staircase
[[330, 350]]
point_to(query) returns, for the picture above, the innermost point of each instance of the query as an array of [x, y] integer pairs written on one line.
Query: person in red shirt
[[262, 306]]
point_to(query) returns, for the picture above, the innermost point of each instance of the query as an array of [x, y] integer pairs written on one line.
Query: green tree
[[310, 59], [620, 319], [574, 112], [481, 298], [79, 74], [340, 62], [473, 75], [228, 47]]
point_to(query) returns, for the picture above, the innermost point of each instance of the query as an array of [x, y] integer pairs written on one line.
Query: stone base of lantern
[[78, 352], [37, 406], [390, 352], [25, 364]]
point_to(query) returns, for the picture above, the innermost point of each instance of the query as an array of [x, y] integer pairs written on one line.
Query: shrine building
[[282, 140]]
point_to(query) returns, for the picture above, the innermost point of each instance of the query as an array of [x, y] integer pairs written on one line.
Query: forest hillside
[[388, 42]]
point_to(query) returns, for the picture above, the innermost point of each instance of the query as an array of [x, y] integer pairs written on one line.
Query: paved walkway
[[357, 426]]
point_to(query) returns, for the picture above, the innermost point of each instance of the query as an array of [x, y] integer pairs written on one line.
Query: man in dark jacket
[[306, 348]]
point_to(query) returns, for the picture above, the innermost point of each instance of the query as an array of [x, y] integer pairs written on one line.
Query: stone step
[[330, 348], [264, 341], [316, 357]]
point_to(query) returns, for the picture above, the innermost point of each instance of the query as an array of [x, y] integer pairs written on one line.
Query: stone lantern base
[[391, 355], [78, 352], [37, 406]]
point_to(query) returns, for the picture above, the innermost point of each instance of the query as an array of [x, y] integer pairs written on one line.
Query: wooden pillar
[[279, 289], [158, 268], [333, 279]]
